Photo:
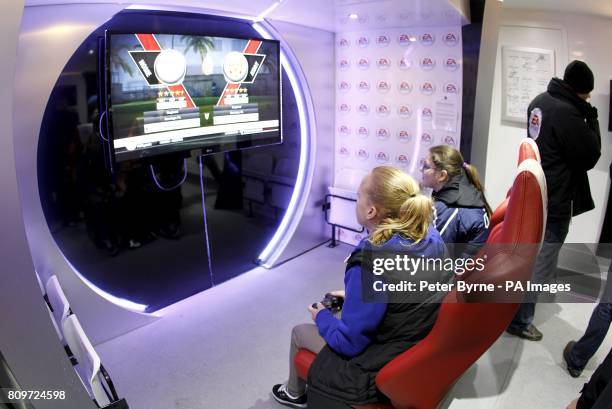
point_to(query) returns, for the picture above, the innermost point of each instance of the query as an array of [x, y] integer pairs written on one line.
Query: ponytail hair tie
[[465, 165]]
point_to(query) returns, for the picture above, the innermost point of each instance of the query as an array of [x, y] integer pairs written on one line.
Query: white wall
[[572, 36], [314, 50]]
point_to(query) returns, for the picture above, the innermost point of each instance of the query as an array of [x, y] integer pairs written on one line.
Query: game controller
[[331, 302]]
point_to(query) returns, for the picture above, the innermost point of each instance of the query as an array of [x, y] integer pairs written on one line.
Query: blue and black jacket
[[461, 216], [371, 334]]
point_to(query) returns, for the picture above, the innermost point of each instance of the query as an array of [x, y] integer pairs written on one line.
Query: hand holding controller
[[332, 302]]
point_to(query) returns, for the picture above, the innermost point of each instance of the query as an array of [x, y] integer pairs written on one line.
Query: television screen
[[172, 92]]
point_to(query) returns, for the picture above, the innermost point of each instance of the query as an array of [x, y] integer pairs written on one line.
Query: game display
[[171, 92]]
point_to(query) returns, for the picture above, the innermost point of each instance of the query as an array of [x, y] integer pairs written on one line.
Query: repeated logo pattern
[[387, 87]]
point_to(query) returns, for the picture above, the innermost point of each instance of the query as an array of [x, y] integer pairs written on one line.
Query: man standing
[[565, 128]]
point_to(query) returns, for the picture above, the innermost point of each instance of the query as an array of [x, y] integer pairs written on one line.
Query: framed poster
[[526, 73]]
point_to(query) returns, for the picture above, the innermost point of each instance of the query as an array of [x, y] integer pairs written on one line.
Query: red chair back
[[528, 149], [420, 377]]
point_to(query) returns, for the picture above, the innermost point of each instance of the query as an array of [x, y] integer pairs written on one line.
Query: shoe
[[530, 332], [282, 396], [573, 371]]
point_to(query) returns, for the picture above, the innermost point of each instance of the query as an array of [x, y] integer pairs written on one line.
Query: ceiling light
[[353, 16]]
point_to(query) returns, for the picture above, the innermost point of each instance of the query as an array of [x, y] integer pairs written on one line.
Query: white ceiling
[[332, 15], [596, 7], [246, 7], [329, 15]]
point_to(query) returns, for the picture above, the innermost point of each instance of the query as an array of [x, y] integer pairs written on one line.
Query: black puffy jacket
[[566, 130]]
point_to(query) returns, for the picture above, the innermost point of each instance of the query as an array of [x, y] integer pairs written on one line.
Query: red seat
[[528, 149], [499, 213], [467, 326]]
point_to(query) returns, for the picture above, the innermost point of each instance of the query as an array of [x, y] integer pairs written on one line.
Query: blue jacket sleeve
[[350, 335]]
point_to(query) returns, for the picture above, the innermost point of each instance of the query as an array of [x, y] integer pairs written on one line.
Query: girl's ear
[[372, 212], [443, 176]]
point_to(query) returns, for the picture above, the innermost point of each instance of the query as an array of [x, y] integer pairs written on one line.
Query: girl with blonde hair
[[352, 349]]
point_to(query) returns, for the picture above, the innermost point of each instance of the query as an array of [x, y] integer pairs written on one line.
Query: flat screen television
[[173, 92]]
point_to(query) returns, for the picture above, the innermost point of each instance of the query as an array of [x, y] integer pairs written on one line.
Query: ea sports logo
[[451, 88], [382, 134], [382, 41], [404, 111], [426, 138], [404, 87], [363, 63], [344, 152], [450, 64], [427, 113], [363, 154], [344, 130], [383, 63], [402, 160], [427, 64], [404, 39], [363, 109], [363, 42], [404, 63], [363, 132], [404, 136], [170, 67], [363, 86], [382, 157], [344, 43], [344, 65], [427, 39], [344, 86], [427, 88], [382, 110], [235, 67], [344, 108], [449, 140], [450, 39], [383, 86]]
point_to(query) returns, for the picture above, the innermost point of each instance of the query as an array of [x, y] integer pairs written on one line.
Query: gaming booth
[[164, 150]]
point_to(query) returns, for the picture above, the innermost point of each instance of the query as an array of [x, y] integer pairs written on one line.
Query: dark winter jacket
[[342, 373], [566, 130], [461, 216]]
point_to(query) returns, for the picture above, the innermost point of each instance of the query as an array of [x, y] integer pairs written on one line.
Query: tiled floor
[[225, 348]]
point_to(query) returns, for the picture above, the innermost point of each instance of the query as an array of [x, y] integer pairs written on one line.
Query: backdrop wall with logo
[[398, 92]]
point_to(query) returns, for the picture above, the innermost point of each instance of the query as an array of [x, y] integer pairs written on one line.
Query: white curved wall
[[49, 36], [27, 339]]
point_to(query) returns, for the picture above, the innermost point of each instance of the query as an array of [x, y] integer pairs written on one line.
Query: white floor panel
[[225, 348]]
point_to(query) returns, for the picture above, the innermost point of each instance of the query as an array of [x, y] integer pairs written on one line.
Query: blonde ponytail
[[406, 211]]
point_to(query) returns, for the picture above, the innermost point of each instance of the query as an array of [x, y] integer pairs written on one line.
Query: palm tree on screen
[[200, 45]]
